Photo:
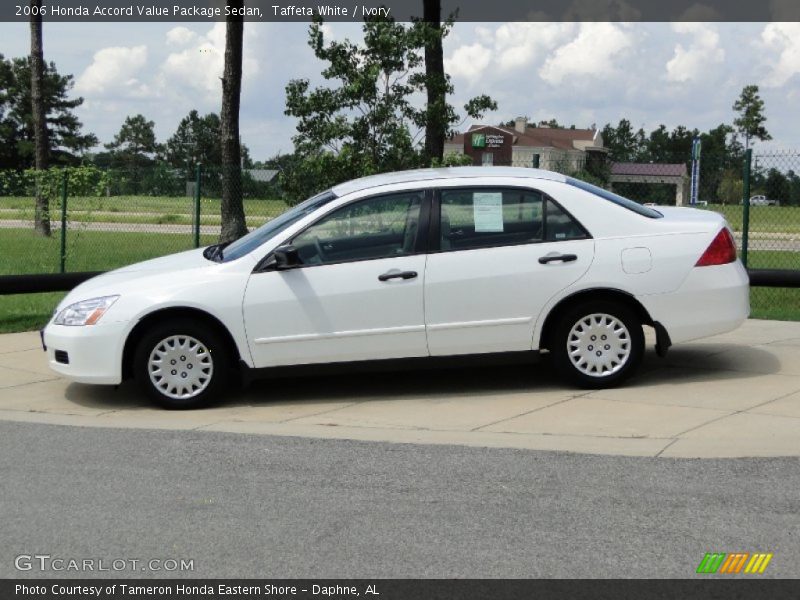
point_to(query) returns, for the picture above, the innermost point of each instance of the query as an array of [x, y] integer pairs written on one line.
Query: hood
[[113, 281]]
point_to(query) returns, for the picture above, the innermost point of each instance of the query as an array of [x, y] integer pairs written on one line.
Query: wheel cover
[[599, 345], [180, 367]]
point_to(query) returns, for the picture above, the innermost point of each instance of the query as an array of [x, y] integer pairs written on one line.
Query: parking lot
[[734, 395]]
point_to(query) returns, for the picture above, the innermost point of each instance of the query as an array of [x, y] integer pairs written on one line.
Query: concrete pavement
[[735, 395]]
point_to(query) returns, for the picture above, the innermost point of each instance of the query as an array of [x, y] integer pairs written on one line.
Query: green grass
[[763, 219], [27, 312], [143, 205]]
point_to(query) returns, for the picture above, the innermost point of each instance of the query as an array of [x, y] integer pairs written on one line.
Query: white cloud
[[591, 54], [693, 63], [180, 36], [468, 62], [783, 40], [521, 44], [197, 68], [112, 72]]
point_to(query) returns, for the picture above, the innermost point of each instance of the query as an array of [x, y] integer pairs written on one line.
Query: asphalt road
[[246, 506]]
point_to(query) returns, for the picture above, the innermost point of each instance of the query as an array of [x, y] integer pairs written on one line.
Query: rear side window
[[615, 198], [486, 217]]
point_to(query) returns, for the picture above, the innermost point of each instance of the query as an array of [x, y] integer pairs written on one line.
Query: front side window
[[380, 227], [257, 237], [485, 217]]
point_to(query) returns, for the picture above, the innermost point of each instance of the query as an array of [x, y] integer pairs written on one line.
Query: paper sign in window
[[487, 211]]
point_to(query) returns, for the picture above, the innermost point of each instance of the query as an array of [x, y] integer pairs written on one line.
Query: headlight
[[86, 312]]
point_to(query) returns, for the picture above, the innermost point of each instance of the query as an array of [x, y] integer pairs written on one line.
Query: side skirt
[[390, 365]]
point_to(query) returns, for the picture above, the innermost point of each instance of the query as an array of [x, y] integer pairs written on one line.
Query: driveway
[[735, 395]]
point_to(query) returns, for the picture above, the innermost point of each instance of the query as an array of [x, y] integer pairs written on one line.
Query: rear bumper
[[712, 300], [94, 352]]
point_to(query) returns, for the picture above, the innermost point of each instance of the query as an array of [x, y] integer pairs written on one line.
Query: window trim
[[420, 244], [435, 236]]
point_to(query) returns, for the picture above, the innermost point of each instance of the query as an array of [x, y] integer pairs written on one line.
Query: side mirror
[[286, 257]]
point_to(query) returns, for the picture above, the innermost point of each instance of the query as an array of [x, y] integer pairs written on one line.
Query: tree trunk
[[232, 211], [435, 126], [42, 214]]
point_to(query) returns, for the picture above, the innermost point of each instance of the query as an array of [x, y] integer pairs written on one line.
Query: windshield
[[254, 239], [615, 198]]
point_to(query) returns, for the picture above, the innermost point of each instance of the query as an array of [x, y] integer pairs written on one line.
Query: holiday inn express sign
[[487, 140]]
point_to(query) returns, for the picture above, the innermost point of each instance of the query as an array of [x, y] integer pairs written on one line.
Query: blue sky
[[581, 73]]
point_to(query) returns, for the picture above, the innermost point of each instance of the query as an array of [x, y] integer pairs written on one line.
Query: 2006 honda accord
[[422, 266]]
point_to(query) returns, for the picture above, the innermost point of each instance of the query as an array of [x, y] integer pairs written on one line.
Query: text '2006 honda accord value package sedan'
[[418, 266]]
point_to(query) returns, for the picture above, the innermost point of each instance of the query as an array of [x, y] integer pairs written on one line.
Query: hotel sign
[[487, 140]]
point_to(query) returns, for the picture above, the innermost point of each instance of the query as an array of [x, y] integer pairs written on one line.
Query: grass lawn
[[142, 209], [763, 219]]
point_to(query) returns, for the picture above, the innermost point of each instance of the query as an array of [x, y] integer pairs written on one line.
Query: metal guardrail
[[63, 282]]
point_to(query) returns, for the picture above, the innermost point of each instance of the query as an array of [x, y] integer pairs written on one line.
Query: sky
[[578, 73]]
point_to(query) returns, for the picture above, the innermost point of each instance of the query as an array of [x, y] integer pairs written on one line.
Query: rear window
[[645, 211]]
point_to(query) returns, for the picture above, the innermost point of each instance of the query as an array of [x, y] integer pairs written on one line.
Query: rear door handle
[[548, 258], [397, 275]]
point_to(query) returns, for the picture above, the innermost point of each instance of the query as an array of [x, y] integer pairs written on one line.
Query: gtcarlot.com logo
[[734, 563], [46, 562]]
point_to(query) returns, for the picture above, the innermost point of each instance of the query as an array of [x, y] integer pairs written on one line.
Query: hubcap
[[599, 345], [180, 367]]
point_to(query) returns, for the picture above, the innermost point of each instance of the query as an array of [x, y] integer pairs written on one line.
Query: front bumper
[[94, 351]]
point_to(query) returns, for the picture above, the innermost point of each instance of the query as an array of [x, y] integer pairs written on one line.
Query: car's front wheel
[[182, 364], [598, 344]]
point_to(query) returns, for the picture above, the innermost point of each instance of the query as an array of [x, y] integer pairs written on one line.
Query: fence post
[[63, 254], [198, 169], [748, 159]]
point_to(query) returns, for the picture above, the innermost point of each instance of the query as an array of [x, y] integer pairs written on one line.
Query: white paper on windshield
[[487, 210]]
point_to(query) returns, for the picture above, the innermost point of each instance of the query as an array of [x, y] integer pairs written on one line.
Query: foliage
[[81, 181], [751, 119], [452, 159], [135, 144], [17, 144], [368, 122]]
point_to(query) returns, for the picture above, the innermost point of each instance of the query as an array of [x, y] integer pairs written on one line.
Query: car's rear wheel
[[182, 364], [598, 344]]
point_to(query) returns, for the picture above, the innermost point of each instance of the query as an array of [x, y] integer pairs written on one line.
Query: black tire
[[194, 367], [614, 363]]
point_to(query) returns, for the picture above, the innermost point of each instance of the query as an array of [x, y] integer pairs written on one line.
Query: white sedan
[[470, 263]]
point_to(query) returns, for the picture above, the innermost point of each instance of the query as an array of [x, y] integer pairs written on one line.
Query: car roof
[[443, 173]]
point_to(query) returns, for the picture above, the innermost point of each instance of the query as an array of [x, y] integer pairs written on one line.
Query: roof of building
[[537, 137], [262, 175], [649, 169], [444, 173]]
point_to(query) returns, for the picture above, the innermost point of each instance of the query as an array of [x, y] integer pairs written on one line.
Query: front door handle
[[397, 275], [548, 258]]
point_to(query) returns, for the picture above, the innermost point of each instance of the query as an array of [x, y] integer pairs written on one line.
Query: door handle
[[397, 275], [548, 258]]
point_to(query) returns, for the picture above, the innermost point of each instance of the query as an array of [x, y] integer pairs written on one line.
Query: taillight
[[721, 251]]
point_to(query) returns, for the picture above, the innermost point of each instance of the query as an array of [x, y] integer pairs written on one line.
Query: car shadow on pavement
[[684, 365]]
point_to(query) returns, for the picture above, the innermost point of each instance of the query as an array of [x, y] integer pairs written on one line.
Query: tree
[[777, 187], [65, 138], [625, 144], [435, 82], [751, 119], [197, 140], [41, 220], [368, 124], [135, 145], [232, 210]]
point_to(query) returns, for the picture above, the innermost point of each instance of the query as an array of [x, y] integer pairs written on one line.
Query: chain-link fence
[[104, 219]]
